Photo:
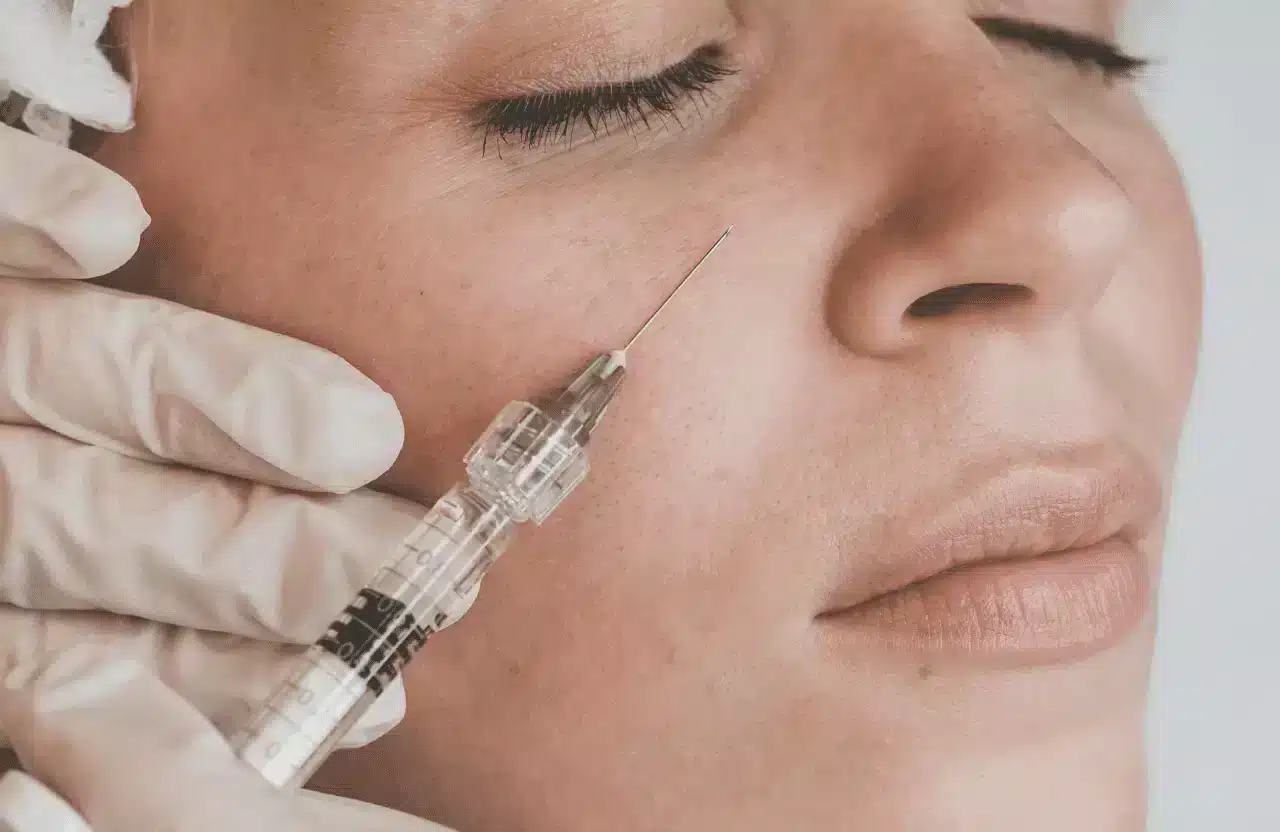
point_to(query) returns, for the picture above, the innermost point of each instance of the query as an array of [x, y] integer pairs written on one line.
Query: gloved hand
[[211, 578], [75, 719]]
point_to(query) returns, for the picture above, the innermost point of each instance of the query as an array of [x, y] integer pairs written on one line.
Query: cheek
[[458, 304], [1145, 333], [1153, 312]]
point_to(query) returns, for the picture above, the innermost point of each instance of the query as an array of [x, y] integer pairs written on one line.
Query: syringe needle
[[675, 291]]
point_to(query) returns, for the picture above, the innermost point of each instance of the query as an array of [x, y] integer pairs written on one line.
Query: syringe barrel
[[518, 470], [365, 648]]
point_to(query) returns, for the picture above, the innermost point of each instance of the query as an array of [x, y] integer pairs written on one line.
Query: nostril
[[967, 298]]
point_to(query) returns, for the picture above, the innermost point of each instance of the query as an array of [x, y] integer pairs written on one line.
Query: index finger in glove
[[84, 528], [226, 678], [62, 214], [154, 380]]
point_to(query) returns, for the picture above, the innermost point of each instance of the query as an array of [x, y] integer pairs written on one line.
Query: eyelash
[[1086, 52], [538, 119]]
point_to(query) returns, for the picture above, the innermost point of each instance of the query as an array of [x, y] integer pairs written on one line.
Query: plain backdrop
[[1215, 718]]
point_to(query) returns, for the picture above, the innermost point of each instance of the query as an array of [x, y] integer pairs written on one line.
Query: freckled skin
[[653, 657]]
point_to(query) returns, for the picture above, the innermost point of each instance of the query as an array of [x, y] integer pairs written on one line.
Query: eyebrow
[[1056, 39]]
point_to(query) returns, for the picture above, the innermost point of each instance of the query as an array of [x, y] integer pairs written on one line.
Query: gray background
[[1215, 718]]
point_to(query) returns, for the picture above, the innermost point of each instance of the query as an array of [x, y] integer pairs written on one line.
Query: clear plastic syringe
[[520, 469]]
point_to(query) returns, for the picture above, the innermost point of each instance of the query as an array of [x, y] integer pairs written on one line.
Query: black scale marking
[[356, 638]]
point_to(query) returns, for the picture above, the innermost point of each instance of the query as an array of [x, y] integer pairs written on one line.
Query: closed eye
[[535, 120], [1083, 50]]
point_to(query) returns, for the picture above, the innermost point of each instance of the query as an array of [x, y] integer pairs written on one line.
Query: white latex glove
[[49, 54], [210, 579], [77, 718]]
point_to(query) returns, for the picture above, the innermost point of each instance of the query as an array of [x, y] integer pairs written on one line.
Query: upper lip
[[1042, 506]]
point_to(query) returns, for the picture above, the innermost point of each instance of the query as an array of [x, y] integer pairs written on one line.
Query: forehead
[[467, 13], [465, 19], [513, 38]]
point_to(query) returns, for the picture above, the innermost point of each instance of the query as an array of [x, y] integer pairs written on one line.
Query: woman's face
[[833, 568]]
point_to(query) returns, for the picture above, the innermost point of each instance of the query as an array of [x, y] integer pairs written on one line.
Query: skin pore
[[956, 255]]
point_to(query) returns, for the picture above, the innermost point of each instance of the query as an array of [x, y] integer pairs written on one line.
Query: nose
[[1013, 228]]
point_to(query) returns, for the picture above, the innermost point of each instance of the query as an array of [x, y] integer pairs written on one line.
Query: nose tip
[[993, 245]]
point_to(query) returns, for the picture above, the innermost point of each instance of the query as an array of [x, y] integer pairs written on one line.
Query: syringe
[[520, 469]]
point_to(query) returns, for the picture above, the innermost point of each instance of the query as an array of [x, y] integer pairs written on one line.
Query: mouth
[[1042, 564]]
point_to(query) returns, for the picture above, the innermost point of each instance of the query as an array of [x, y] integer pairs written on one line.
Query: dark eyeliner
[[1081, 49], [536, 119]]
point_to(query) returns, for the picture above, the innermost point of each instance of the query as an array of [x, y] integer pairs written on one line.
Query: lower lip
[[1050, 609]]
